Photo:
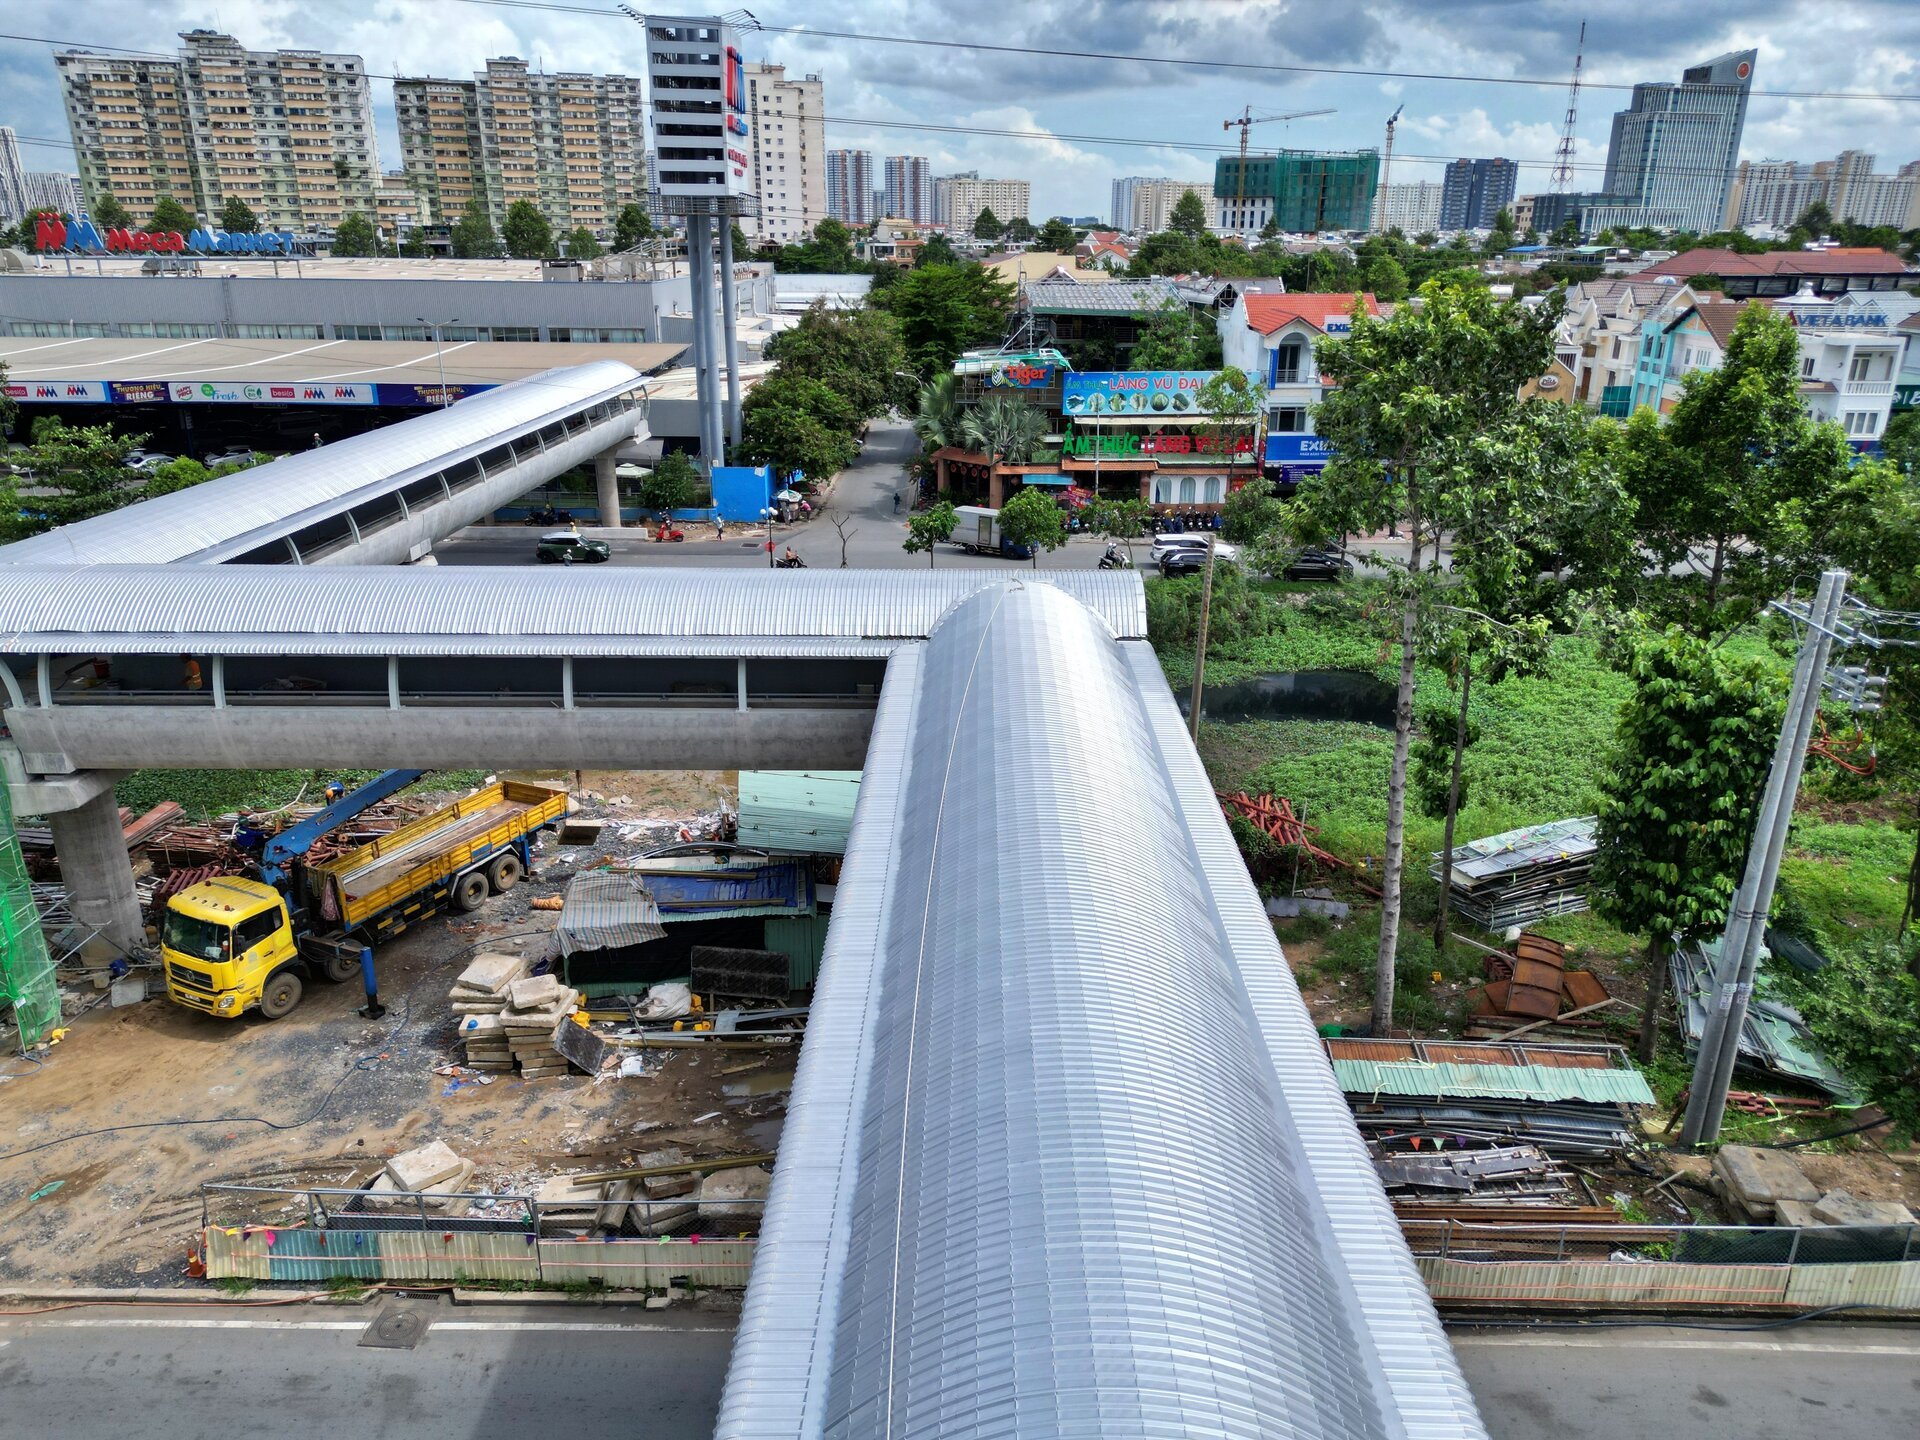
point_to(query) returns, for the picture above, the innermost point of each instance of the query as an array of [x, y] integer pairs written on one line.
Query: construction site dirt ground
[[179, 1099]]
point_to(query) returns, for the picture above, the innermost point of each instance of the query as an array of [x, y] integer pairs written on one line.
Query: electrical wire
[[361, 1065]]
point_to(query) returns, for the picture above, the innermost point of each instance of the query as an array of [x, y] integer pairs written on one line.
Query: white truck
[[976, 529]]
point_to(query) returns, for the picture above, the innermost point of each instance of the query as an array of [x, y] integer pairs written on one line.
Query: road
[[219, 1373], [862, 500]]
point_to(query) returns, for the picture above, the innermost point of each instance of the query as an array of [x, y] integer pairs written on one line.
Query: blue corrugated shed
[[808, 811]]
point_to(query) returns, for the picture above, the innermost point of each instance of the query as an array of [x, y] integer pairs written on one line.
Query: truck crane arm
[[281, 850]]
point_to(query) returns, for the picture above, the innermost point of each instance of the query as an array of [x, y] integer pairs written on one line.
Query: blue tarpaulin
[[770, 889]]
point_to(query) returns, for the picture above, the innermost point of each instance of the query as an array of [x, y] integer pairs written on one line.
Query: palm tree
[[1007, 431], [933, 421]]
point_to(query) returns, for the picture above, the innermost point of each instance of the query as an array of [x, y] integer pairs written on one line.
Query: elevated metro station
[[1063, 1154]]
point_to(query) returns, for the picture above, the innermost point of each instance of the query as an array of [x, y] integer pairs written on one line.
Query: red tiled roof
[[1719, 316], [1854, 260], [1267, 313]]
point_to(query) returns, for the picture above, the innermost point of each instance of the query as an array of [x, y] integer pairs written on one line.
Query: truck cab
[[229, 947]]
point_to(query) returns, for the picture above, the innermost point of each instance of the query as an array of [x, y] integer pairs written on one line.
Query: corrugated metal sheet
[[1507, 1082], [289, 610], [1652, 1284], [803, 940], [607, 910], [809, 811], [188, 523], [982, 1222]]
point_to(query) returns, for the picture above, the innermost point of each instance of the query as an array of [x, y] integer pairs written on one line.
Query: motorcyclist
[[1111, 560]]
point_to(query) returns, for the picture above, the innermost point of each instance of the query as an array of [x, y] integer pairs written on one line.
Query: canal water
[[1298, 695]]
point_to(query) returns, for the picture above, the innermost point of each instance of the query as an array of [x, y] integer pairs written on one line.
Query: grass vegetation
[[204, 794]]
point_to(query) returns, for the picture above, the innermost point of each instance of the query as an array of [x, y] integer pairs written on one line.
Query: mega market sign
[[210, 392], [72, 234]]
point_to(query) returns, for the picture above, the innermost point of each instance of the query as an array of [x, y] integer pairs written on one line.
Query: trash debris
[[1774, 1040], [1520, 876]]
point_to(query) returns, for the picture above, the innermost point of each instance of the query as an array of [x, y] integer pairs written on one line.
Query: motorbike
[[789, 562], [1115, 560], [669, 532], [548, 517]]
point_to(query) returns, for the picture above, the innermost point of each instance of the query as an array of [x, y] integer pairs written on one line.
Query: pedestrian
[[316, 439], [719, 526], [896, 502], [189, 673]]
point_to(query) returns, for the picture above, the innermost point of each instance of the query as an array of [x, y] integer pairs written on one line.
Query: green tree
[[798, 424], [1004, 429], [170, 214], [473, 237], [1500, 237], [1679, 797], [109, 214], [1384, 278], [1252, 512], [1167, 252], [631, 226], [1019, 230], [1189, 216], [944, 309], [1056, 237], [937, 251], [1271, 230], [1738, 470], [528, 233], [1423, 415], [1901, 443], [1122, 520], [1032, 520], [237, 215], [354, 237], [986, 225], [582, 246], [181, 474], [1864, 1009], [1816, 219], [1233, 399], [936, 415], [415, 246], [9, 411], [1172, 339], [78, 471], [932, 526], [1566, 233], [673, 485], [857, 352]]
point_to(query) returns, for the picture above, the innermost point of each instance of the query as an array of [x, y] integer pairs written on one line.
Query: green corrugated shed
[[808, 811], [802, 939], [1493, 1082]]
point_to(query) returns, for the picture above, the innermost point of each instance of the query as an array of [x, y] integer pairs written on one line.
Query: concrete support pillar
[[96, 871], [713, 402], [1146, 487], [606, 487], [940, 481], [729, 342], [697, 270], [995, 487]]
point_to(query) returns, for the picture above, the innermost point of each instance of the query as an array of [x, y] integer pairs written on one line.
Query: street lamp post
[[439, 361], [766, 518]]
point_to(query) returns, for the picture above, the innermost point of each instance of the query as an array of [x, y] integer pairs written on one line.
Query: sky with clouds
[[1064, 107]]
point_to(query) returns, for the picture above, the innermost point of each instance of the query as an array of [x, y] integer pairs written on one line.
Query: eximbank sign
[[71, 233]]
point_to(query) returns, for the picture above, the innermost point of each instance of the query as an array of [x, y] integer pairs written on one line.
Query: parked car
[[1319, 563], [233, 457], [564, 547], [148, 460], [1165, 545], [1188, 561]]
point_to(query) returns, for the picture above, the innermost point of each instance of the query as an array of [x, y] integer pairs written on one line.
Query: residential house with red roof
[[1835, 270], [1271, 338]]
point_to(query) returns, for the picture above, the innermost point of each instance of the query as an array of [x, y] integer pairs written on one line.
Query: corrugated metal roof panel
[[99, 608], [187, 523], [805, 810], [1505, 1082], [607, 910]]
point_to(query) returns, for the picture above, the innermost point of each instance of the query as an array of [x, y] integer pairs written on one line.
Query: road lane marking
[[576, 1326], [1623, 1342]]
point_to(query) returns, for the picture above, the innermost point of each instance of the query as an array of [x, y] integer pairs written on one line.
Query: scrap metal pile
[[1521, 876], [1774, 1041]]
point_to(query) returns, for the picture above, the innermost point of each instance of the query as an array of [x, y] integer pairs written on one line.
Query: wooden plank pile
[[506, 1018]]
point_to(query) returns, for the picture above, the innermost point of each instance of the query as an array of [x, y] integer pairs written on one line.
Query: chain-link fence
[[1681, 1244]]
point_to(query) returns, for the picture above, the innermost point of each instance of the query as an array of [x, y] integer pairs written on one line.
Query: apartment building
[[908, 194], [850, 188], [572, 143], [789, 154], [959, 199], [1149, 202], [1778, 192], [1414, 206], [290, 132]]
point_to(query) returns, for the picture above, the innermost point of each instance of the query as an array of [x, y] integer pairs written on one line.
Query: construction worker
[[189, 673]]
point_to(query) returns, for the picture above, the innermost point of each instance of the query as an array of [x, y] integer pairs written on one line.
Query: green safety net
[[26, 968]]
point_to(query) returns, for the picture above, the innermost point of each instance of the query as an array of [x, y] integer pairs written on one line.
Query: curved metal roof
[[186, 523], [460, 610], [1052, 1164]]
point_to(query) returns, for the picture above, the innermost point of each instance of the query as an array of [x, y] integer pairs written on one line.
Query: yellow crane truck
[[234, 944]]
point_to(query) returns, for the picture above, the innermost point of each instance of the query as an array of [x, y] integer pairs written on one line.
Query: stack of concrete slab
[[433, 1172], [536, 1004], [479, 999], [1841, 1207], [1752, 1182], [735, 1200]]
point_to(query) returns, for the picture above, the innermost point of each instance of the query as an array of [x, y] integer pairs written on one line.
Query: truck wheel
[[281, 994], [342, 967], [470, 890], [505, 872]]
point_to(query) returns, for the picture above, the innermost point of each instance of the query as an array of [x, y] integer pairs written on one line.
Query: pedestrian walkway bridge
[[381, 498]]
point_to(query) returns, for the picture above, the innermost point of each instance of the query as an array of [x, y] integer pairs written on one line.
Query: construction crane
[[1386, 169], [1563, 157], [1246, 120]]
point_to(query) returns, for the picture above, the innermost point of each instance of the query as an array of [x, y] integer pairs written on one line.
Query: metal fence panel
[[1578, 1282], [646, 1264], [1892, 1284]]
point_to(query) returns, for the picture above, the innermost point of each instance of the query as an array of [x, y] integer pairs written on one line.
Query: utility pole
[[1747, 917], [1200, 653]]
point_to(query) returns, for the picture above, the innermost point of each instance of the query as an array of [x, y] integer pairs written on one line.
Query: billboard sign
[[138, 392], [264, 392], [1134, 392], [1020, 375], [1298, 450], [426, 395], [58, 392], [76, 234], [1906, 397], [1131, 445]]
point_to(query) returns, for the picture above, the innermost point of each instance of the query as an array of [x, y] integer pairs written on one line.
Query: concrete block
[[734, 1197], [534, 992], [493, 972], [1838, 1207], [1756, 1179], [1796, 1213], [662, 1219], [426, 1165]]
